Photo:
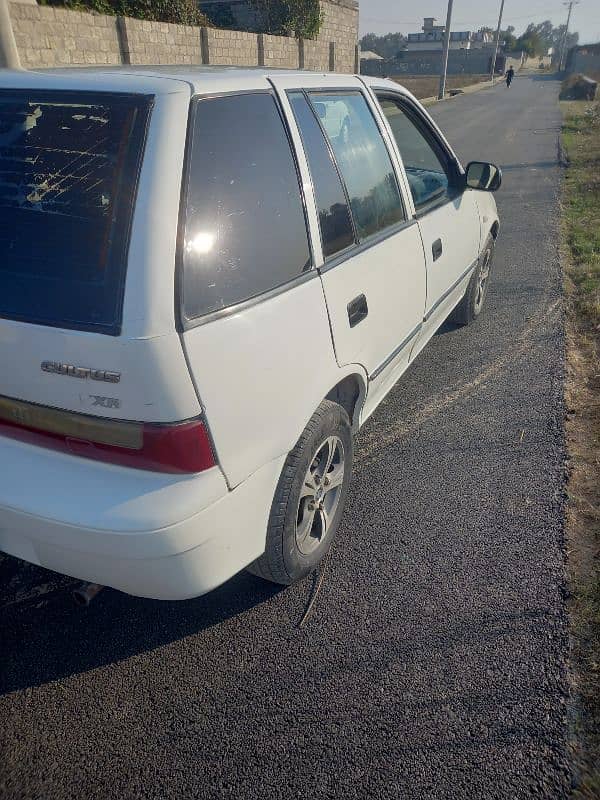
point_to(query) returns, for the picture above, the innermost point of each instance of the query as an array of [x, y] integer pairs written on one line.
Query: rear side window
[[334, 214], [69, 163], [245, 227], [363, 160]]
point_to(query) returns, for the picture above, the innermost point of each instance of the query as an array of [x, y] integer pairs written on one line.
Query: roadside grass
[[581, 230]]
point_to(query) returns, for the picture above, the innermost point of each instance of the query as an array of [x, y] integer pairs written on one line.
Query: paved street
[[433, 663]]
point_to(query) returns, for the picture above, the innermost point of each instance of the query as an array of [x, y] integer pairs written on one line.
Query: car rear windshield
[[69, 163]]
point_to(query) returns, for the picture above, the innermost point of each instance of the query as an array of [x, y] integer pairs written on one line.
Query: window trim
[[358, 242], [372, 241], [422, 124], [125, 208], [182, 322]]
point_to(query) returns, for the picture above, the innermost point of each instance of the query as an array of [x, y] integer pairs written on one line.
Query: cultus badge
[[58, 368]]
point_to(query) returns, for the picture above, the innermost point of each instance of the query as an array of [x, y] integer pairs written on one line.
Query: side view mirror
[[483, 176]]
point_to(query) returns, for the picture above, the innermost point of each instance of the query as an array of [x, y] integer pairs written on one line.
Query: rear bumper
[[148, 534]]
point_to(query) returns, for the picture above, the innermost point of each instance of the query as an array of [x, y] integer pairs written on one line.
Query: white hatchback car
[[209, 279]]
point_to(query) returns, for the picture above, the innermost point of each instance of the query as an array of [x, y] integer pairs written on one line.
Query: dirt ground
[[581, 212], [427, 85]]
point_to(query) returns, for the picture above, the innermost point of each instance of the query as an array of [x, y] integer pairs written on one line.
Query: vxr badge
[[105, 402]]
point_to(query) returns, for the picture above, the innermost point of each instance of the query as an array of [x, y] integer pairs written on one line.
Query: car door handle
[[437, 249], [357, 310]]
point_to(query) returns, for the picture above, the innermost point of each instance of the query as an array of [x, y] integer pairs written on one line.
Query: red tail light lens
[[182, 447]]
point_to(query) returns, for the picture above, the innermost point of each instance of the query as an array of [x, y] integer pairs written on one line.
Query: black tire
[[471, 305], [284, 561]]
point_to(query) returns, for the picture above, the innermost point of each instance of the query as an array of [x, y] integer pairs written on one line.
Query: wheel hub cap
[[320, 494]]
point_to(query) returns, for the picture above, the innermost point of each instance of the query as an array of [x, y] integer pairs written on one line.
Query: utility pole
[[563, 49], [442, 90], [9, 55], [498, 29]]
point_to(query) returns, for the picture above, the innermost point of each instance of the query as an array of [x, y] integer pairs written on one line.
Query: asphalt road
[[434, 662]]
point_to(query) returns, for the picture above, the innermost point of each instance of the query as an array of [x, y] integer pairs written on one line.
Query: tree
[[509, 39], [183, 12], [557, 38], [531, 42], [387, 46], [538, 39], [300, 18]]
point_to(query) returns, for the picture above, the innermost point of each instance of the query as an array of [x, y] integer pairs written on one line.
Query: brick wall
[[231, 48], [316, 56], [340, 25], [145, 42], [279, 51], [47, 36]]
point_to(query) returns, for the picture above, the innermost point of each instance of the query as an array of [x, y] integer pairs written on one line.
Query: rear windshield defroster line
[[69, 166]]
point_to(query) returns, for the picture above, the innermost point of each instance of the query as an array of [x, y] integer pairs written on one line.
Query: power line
[[457, 22]]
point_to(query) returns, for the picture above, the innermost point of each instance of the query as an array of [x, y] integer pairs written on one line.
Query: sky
[[406, 16]]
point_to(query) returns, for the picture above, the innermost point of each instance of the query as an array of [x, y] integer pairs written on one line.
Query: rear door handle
[[437, 249], [357, 310]]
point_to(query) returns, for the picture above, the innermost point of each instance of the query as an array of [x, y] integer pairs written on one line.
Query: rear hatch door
[[90, 176]]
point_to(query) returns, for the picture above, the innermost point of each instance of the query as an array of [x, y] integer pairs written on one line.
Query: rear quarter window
[[69, 163], [245, 228]]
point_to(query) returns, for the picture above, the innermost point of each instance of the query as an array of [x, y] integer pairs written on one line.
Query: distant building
[[432, 38]]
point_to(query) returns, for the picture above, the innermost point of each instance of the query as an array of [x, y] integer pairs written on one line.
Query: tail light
[[178, 447]]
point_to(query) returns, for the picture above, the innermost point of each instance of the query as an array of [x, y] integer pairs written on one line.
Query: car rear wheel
[[470, 306], [309, 499]]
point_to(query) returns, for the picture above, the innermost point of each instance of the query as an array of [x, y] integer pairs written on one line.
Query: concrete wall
[[460, 62], [586, 60], [48, 36]]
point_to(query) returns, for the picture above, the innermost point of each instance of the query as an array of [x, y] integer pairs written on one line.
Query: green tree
[[387, 46], [531, 42], [538, 39], [509, 38], [557, 38], [300, 18]]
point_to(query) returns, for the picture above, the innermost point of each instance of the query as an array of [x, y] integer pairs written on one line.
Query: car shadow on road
[[448, 327], [47, 637]]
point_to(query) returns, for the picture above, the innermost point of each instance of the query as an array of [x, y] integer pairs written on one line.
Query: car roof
[[165, 79]]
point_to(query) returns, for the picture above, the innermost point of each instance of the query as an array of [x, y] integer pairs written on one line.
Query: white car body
[[175, 536]]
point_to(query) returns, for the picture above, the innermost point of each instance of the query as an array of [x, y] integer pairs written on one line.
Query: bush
[[184, 12], [299, 18]]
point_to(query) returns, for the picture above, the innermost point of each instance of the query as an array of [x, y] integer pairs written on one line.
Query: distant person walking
[[510, 74]]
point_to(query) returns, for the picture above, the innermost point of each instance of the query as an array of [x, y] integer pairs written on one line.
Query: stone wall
[[232, 48], [144, 42], [278, 51], [317, 56], [340, 25], [47, 36]]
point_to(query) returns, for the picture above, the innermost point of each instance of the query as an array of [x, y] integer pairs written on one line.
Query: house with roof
[[432, 38]]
